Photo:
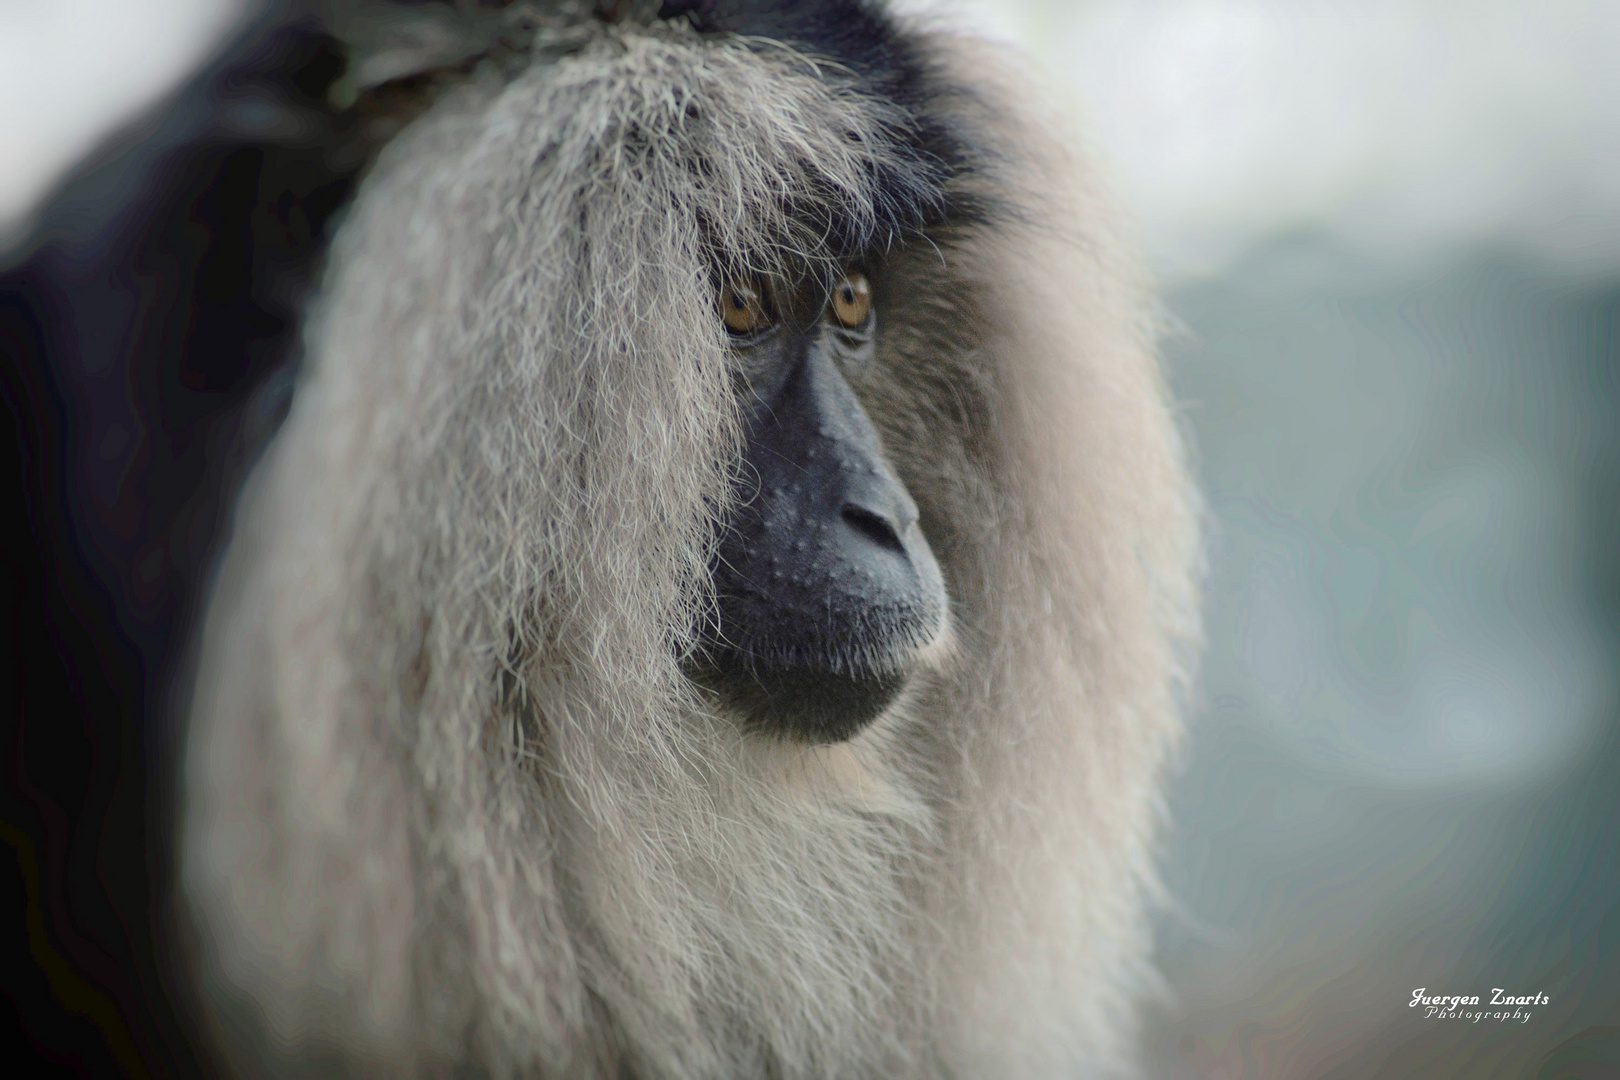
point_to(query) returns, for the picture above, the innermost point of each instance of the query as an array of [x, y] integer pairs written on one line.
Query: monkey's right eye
[[743, 305]]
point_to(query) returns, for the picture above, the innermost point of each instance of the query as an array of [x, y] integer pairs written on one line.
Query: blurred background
[[1389, 240]]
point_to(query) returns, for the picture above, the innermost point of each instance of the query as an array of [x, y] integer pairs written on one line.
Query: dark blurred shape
[[148, 328]]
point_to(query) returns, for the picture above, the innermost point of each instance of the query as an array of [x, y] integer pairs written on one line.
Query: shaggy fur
[[451, 799]]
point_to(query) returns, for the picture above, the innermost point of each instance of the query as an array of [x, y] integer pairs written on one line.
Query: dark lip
[[784, 689], [817, 706]]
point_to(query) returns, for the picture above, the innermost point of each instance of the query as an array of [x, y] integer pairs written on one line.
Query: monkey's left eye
[[852, 299], [743, 305]]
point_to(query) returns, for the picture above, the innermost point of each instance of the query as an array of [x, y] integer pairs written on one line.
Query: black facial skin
[[826, 586]]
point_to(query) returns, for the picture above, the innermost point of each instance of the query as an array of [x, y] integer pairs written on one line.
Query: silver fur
[[449, 797]]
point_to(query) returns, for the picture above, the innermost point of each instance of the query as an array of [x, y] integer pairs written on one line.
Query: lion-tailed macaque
[[719, 602]]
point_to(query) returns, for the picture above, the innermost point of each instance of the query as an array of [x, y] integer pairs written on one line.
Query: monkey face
[[827, 591]]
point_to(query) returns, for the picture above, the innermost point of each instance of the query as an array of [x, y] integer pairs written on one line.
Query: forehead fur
[[771, 155]]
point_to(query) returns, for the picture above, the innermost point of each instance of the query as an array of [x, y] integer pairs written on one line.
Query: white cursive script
[[1451, 1002], [1532, 999], [1452, 1006]]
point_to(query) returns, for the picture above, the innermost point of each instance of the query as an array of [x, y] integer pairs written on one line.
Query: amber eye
[[852, 299], [742, 306]]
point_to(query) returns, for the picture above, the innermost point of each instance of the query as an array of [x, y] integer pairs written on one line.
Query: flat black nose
[[870, 498], [825, 585], [828, 531], [854, 483]]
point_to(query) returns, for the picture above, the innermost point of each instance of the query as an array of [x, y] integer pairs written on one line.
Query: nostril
[[875, 527]]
